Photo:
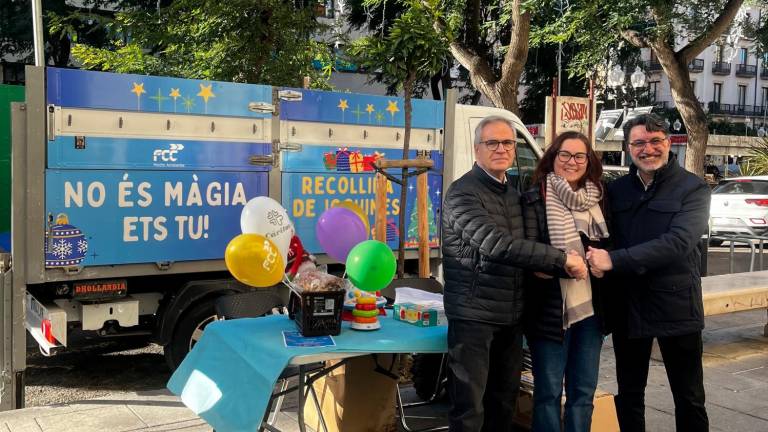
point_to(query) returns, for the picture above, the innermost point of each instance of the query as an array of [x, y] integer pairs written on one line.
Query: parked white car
[[740, 207]]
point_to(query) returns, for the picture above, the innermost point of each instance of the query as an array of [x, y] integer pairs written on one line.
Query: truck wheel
[[424, 373], [189, 330]]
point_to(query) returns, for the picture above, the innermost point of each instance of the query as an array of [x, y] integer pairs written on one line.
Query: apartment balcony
[[721, 68], [696, 65], [740, 110], [745, 70], [652, 66]]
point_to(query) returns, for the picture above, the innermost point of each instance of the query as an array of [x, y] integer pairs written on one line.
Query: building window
[[653, 89], [743, 56], [764, 98], [742, 96], [719, 53], [718, 93]]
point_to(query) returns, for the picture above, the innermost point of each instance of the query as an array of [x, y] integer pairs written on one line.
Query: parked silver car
[[740, 207]]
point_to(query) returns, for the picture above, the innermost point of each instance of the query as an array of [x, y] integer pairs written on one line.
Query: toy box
[[419, 315]]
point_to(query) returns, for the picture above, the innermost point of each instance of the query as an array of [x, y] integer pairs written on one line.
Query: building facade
[[729, 77]]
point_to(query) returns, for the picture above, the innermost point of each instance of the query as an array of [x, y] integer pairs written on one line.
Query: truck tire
[[424, 374], [188, 331]]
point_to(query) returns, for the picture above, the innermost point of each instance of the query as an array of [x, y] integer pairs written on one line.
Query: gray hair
[[492, 119], [652, 123]]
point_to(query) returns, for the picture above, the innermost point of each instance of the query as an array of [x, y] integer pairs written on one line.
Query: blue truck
[[127, 189]]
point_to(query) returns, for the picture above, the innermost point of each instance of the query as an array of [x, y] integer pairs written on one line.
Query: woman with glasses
[[565, 317]]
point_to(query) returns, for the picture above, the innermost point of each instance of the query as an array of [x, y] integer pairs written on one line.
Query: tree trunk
[[687, 104], [501, 91], [408, 90]]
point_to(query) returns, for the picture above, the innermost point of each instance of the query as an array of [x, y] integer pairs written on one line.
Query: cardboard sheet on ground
[[228, 377]]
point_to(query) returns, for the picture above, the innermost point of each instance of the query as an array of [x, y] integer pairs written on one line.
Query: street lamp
[[638, 78], [677, 125], [617, 79]]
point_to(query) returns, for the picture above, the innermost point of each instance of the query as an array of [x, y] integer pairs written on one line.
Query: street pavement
[[735, 374], [736, 381]]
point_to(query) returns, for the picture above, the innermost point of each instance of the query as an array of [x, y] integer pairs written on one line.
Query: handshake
[[598, 259]]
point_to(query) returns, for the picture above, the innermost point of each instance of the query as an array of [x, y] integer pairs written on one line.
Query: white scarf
[[568, 213]]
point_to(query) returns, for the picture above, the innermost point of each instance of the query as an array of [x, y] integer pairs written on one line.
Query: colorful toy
[[365, 315]]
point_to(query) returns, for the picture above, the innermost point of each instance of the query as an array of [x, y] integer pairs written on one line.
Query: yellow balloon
[[254, 260], [359, 212]]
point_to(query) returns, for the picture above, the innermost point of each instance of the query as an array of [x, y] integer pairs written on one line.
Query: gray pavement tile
[[734, 421], [155, 413], [740, 401], [112, 418], [23, 424], [760, 412], [659, 421], [197, 425], [726, 381]]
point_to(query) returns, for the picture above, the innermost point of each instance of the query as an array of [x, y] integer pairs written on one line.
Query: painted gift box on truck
[[136, 184]]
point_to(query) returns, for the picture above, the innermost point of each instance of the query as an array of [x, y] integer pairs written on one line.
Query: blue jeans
[[577, 360]]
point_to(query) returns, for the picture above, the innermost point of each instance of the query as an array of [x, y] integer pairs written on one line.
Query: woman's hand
[[542, 275]]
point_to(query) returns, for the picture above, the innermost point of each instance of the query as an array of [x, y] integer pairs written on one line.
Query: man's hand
[[599, 259], [575, 266], [596, 273]]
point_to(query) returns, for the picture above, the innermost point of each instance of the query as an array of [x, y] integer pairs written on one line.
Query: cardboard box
[[603, 416], [355, 398], [419, 315]]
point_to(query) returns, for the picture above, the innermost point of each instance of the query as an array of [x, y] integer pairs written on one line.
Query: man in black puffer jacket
[[484, 254], [660, 211]]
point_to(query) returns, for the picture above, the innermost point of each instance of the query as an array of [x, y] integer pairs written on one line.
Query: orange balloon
[[254, 260], [359, 212]]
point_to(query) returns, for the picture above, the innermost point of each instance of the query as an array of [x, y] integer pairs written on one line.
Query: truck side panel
[[340, 136], [105, 217], [145, 169]]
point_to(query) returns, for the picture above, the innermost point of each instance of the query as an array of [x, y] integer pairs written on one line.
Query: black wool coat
[[485, 251], [656, 259]]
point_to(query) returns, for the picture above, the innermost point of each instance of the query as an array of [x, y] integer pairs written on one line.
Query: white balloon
[[265, 216]]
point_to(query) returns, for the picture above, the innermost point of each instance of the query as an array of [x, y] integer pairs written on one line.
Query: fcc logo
[[167, 155]]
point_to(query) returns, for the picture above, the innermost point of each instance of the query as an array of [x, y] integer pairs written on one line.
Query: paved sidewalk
[[736, 380]]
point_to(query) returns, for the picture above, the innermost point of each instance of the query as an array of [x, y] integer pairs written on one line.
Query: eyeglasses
[[493, 145], [564, 156], [655, 142]]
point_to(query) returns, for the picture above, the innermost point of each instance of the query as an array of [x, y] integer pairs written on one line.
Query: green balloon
[[371, 265]]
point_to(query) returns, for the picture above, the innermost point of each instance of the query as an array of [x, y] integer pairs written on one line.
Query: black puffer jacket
[[484, 251], [656, 233], [543, 315]]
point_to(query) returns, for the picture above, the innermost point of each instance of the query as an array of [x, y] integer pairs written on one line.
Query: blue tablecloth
[[228, 377]]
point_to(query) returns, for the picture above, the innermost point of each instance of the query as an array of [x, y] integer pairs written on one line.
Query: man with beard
[[660, 211]]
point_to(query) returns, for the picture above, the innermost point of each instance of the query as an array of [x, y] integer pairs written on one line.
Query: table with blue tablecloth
[[228, 377]]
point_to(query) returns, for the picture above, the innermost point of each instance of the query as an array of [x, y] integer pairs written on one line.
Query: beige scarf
[[570, 212]]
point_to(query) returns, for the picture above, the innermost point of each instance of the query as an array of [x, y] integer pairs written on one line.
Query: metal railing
[[721, 68], [745, 70], [749, 240], [696, 65]]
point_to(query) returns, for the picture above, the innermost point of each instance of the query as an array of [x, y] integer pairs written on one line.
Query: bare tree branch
[[705, 39]]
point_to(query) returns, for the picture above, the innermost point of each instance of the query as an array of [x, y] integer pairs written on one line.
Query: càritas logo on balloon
[[275, 218]]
